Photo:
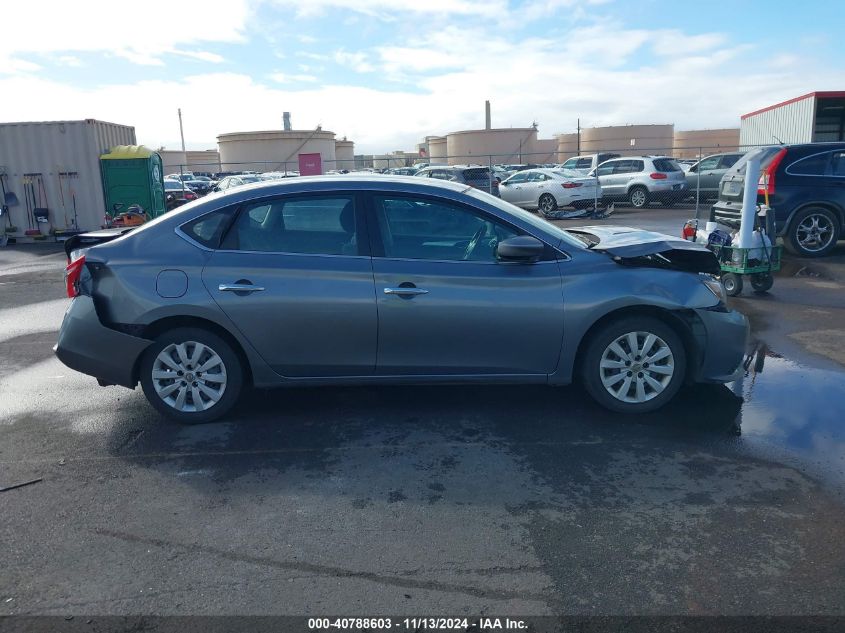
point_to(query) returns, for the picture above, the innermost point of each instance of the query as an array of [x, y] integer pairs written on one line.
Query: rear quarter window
[[208, 229], [815, 165]]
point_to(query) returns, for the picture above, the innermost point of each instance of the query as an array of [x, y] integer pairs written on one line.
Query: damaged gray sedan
[[380, 280]]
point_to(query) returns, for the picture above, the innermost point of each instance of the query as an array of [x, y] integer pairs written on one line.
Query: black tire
[[547, 204], [638, 197], [231, 364], [761, 283], [732, 283], [599, 343], [798, 239]]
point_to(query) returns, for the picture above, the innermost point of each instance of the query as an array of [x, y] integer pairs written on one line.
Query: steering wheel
[[474, 242]]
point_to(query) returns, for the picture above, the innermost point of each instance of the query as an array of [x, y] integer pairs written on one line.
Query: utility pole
[[181, 132]]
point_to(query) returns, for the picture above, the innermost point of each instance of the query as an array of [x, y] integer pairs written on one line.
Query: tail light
[[658, 176], [766, 184], [571, 185], [72, 274], [190, 196]]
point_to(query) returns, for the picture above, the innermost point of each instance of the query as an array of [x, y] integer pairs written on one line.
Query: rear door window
[[312, 225], [584, 163]]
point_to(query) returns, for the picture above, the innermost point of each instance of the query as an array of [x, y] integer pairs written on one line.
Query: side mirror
[[693, 169], [503, 183], [522, 248]]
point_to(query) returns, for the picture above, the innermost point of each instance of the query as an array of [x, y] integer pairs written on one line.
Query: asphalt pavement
[[428, 500]]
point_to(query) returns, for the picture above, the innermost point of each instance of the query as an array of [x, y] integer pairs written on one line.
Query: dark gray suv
[[378, 279]]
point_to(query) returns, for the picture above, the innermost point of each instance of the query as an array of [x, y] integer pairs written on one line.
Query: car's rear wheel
[[634, 364], [191, 375], [813, 232], [638, 197], [547, 203]]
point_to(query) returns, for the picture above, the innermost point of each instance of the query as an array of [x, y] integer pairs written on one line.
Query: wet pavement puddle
[[794, 411]]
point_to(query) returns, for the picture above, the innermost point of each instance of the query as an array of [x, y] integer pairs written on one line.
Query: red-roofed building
[[816, 117]]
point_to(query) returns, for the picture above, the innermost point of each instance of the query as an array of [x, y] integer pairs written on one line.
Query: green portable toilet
[[132, 174]]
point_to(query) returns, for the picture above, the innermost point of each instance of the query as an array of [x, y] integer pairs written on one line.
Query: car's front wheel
[[191, 375], [634, 364]]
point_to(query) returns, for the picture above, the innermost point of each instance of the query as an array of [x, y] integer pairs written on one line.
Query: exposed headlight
[[715, 286]]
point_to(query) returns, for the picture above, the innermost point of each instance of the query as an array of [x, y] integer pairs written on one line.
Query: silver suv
[[642, 179]]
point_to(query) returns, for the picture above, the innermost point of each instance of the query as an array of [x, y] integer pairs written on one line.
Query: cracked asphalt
[[427, 500]]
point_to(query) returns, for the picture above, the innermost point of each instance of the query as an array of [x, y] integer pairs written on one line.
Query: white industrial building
[[815, 117]]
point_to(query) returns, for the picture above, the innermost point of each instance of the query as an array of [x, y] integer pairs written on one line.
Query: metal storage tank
[[567, 146], [436, 150], [203, 160], [545, 151], [345, 154], [815, 117], [67, 155], [689, 143], [505, 145], [174, 161], [628, 140], [274, 150]]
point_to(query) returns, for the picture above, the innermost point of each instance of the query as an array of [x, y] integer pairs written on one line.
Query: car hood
[[635, 247]]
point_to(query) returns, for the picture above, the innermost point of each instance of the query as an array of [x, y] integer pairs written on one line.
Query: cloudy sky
[[385, 73]]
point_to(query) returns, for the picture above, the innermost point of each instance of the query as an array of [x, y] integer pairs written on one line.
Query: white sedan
[[548, 189]]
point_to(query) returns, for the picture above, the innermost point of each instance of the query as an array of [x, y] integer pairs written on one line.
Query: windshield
[[526, 216]]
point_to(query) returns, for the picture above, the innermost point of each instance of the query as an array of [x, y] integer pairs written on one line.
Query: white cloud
[[69, 60], [356, 61], [387, 9], [283, 78], [141, 36], [203, 56]]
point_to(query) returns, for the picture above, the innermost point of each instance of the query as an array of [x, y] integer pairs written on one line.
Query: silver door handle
[[405, 291], [239, 288]]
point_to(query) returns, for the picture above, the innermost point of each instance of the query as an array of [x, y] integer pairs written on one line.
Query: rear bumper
[[88, 346], [726, 339]]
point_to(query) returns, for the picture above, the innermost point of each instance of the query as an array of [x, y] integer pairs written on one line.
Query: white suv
[[642, 179]]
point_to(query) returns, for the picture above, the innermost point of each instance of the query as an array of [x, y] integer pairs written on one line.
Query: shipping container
[[60, 160], [816, 117]]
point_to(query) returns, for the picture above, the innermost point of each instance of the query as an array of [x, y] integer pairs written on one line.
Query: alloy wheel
[[814, 233], [638, 198], [637, 367], [189, 376]]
